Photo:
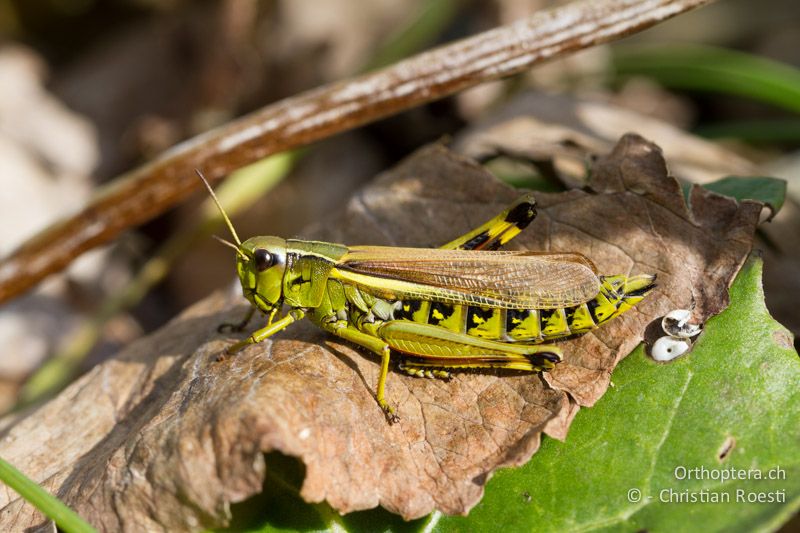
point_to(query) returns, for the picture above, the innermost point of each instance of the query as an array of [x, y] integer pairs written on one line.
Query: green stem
[[64, 517]]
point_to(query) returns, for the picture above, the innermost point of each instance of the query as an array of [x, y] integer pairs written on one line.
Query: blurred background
[[91, 89]]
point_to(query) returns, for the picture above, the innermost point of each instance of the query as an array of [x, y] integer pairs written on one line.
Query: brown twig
[[151, 189]]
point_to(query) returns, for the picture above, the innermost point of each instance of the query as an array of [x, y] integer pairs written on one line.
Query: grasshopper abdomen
[[616, 295]]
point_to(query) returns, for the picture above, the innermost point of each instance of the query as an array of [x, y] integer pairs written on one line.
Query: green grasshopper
[[461, 306]]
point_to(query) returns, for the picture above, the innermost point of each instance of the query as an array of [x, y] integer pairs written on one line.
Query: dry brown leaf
[[163, 436]]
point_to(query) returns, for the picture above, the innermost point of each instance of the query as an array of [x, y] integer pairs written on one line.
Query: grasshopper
[[462, 306]]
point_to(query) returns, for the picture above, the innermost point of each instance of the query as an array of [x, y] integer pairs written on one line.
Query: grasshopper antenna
[[221, 210], [229, 244]]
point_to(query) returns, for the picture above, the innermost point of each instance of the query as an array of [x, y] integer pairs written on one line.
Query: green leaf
[[770, 191], [705, 68], [738, 385]]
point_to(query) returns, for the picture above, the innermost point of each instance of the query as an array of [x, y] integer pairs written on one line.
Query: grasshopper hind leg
[[499, 230], [433, 349], [435, 368]]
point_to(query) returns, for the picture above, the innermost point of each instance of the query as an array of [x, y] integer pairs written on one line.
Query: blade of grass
[[754, 131], [66, 519], [425, 27], [711, 69]]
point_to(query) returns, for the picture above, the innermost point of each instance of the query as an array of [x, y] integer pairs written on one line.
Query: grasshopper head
[[260, 262], [261, 265]]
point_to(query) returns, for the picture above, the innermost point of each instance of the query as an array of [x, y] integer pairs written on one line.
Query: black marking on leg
[[545, 360], [522, 214], [476, 242]]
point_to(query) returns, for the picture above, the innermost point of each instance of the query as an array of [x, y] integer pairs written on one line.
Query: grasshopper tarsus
[[388, 412], [391, 416]]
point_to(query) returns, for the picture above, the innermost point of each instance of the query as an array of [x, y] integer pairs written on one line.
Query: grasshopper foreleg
[[267, 331]]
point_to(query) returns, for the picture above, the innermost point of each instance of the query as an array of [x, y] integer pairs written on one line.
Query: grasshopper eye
[[264, 259]]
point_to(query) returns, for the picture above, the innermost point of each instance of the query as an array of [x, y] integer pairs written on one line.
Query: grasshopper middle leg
[[270, 329], [379, 346]]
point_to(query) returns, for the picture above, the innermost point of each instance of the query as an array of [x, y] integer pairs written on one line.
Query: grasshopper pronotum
[[461, 306]]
